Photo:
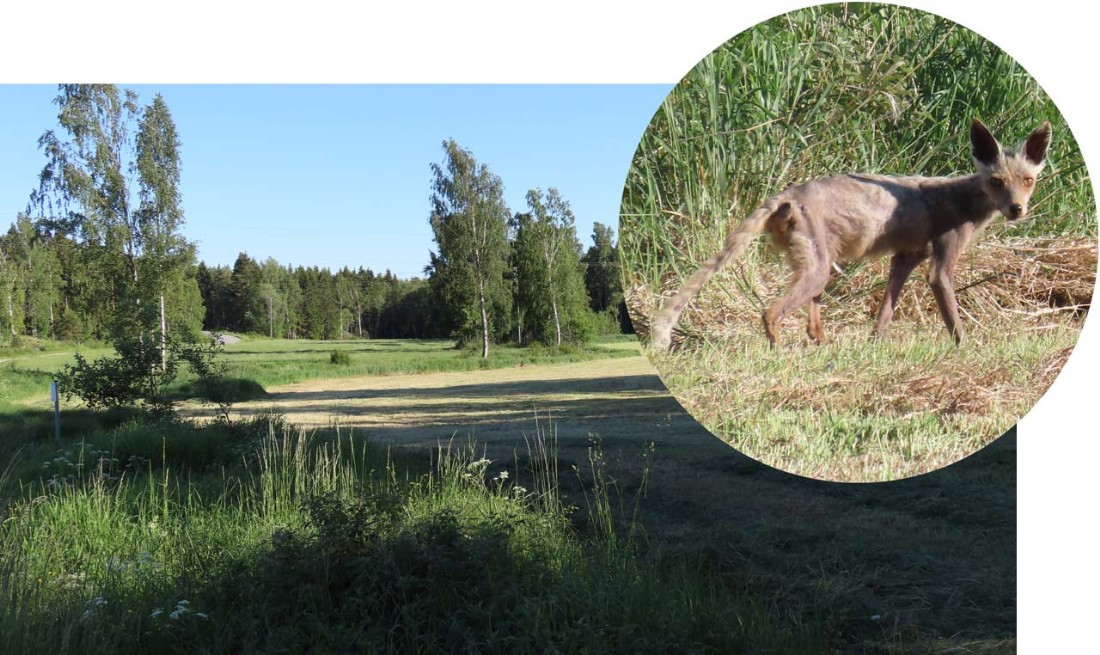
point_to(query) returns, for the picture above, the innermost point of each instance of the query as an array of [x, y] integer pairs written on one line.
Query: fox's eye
[[1028, 181], [996, 182]]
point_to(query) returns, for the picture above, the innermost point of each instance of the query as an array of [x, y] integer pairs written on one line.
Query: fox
[[848, 218]]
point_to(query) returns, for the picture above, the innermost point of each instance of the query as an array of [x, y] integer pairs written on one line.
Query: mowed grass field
[[274, 361], [25, 372], [439, 520], [861, 410]]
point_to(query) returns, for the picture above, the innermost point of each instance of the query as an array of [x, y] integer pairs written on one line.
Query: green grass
[[316, 543], [289, 543], [271, 363], [855, 409], [26, 370], [841, 88]]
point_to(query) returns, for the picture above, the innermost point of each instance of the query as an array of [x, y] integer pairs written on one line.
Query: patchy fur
[[852, 217]]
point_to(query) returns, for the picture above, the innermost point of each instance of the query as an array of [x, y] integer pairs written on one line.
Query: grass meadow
[[140, 536], [274, 361], [854, 88], [255, 536]]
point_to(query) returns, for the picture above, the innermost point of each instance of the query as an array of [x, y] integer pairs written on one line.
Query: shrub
[[140, 372]]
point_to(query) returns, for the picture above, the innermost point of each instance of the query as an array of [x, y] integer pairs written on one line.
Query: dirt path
[[224, 338]]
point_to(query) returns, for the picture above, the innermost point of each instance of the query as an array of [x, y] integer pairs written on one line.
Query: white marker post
[[56, 412]]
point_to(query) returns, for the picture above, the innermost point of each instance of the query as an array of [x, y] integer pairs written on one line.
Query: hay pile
[[998, 281]]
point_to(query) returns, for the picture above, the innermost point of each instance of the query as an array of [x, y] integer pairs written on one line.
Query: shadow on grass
[[36, 425], [923, 564], [227, 389], [917, 565], [920, 565]]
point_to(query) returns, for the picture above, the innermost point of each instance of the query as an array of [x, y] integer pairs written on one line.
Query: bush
[[339, 358], [228, 390]]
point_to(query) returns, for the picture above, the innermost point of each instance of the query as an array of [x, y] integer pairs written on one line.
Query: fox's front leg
[[941, 275]]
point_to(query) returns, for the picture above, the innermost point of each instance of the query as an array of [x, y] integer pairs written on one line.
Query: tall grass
[[321, 544], [839, 88]]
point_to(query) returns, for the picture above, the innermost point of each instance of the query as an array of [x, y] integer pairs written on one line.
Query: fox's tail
[[660, 330]]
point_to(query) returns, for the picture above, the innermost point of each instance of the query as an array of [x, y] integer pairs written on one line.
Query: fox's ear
[[1035, 147], [985, 148]]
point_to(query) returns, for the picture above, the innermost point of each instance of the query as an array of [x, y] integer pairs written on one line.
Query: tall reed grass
[[839, 88]]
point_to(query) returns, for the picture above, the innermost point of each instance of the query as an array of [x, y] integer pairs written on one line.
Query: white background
[[571, 41]]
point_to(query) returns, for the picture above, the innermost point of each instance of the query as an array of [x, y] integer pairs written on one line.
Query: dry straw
[[1026, 283]]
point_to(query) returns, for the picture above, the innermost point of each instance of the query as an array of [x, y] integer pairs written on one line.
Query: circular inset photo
[[858, 241]]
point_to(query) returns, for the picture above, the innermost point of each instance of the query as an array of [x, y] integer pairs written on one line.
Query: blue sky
[[339, 175]]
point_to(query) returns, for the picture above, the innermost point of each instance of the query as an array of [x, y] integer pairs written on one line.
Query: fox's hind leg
[[813, 326], [807, 257], [941, 275], [807, 288]]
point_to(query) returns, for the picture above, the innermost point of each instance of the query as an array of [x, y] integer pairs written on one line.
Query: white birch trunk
[[163, 337]]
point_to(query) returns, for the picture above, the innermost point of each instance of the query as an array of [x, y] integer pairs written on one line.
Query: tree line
[[99, 252], [272, 299], [301, 302]]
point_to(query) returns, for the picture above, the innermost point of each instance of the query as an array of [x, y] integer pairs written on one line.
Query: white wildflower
[[91, 606], [181, 610]]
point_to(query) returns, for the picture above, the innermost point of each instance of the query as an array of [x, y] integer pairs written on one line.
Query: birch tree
[[549, 278], [469, 223], [12, 284], [112, 181]]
